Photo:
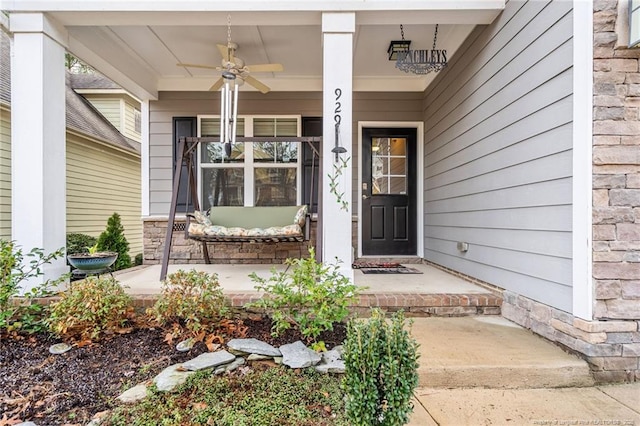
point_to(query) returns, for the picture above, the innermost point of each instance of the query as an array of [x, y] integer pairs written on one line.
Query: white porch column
[[38, 216], [337, 86]]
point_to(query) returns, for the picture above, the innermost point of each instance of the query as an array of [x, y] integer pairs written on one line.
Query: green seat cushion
[[253, 217]]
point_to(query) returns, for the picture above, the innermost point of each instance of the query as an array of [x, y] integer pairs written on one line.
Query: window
[[137, 117], [250, 173]]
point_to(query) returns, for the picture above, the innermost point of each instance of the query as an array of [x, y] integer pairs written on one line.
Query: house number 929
[[337, 117]]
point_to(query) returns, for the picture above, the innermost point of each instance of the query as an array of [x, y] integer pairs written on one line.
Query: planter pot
[[92, 262]]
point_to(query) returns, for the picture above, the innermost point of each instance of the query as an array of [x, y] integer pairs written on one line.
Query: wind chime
[[228, 102]]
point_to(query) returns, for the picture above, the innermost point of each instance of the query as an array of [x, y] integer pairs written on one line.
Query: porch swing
[[227, 224]]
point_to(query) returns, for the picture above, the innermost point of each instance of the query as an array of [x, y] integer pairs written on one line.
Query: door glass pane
[[275, 186], [388, 166], [222, 187]]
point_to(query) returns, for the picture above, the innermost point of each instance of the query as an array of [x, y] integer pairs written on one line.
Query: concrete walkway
[[600, 405], [487, 370]]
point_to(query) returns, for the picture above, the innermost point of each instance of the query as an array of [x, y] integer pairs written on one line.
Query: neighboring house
[[517, 165], [102, 165]]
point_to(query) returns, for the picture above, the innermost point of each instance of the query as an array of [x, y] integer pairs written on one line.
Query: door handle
[[364, 196]]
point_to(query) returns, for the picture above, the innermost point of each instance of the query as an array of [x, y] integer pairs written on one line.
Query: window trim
[[249, 165]]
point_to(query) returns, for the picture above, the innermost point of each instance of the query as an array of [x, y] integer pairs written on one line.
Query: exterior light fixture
[[228, 110], [422, 61], [338, 149], [397, 46]]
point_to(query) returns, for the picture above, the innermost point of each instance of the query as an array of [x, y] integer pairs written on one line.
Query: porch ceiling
[[138, 47]]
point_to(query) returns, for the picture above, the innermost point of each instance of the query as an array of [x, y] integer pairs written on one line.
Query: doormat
[[360, 265], [399, 270]]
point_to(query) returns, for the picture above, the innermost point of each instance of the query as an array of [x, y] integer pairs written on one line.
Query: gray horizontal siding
[[367, 106], [498, 154]]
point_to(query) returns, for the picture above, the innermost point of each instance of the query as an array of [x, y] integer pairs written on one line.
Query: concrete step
[[492, 352]]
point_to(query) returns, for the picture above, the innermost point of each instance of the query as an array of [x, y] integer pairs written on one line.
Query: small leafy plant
[[113, 239], [381, 362], [90, 308], [308, 295], [17, 267], [194, 299]]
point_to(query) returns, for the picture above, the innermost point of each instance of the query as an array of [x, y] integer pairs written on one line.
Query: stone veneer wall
[[611, 341], [189, 251]]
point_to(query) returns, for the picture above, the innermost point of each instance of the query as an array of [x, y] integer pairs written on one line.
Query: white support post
[[144, 160], [337, 37], [38, 160], [583, 293]]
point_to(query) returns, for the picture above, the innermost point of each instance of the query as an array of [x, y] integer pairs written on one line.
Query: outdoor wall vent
[[463, 247]]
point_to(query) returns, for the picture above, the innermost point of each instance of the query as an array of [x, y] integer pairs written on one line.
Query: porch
[[433, 292]]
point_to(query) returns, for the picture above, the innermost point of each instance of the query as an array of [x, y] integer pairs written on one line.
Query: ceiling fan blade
[[217, 85], [257, 84], [208, 67], [265, 68]]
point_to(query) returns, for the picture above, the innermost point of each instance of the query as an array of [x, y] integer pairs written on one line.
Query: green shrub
[[192, 299], [79, 243], [308, 295], [89, 308], [139, 259], [113, 239], [17, 267], [381, 362]]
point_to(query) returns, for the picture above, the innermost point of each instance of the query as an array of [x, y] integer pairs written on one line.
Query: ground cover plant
[[251, 396]]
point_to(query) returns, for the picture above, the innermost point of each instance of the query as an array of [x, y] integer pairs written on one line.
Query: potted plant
[[93, 261]]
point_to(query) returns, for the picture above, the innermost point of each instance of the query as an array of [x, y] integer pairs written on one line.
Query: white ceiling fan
[[231, 63]]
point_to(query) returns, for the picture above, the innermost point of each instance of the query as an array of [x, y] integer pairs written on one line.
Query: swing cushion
[[261, 223]]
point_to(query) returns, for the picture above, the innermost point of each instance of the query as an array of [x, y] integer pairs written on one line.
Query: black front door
[[389, 188]]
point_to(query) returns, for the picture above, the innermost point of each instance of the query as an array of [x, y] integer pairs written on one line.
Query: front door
[[389, 192]]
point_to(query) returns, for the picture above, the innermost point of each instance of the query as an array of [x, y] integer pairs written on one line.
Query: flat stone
[[234, 365], [208, 360], [171, 377], [26, 424], [256, 357], [277, 360], [253, 346], [59, 348], [297, 355], [135, 394], [331, 362], [185, 345]]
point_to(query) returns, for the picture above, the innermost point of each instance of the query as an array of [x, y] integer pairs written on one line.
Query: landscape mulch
[[69, 389]]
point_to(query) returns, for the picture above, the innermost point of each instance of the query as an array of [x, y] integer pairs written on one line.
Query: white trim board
[[419, 126], [583, 297]]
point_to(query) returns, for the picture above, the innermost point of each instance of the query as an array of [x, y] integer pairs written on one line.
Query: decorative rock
[[59, 348], [237, 353], [331, 362], [208, 360], [171, 377], [253, 346], [256, 357], [277, 360], [297, 355], [26, 424], [135, 394], [234, 365], [185, 345]]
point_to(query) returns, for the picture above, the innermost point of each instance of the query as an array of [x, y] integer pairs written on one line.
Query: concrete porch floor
[[434, 292], [234, 278]]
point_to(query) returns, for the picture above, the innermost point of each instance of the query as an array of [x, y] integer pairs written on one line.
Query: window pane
[[275, 152], [211, 127], [214, 152], [222, 187], [388, 166], [271, 127], [275, 186]]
